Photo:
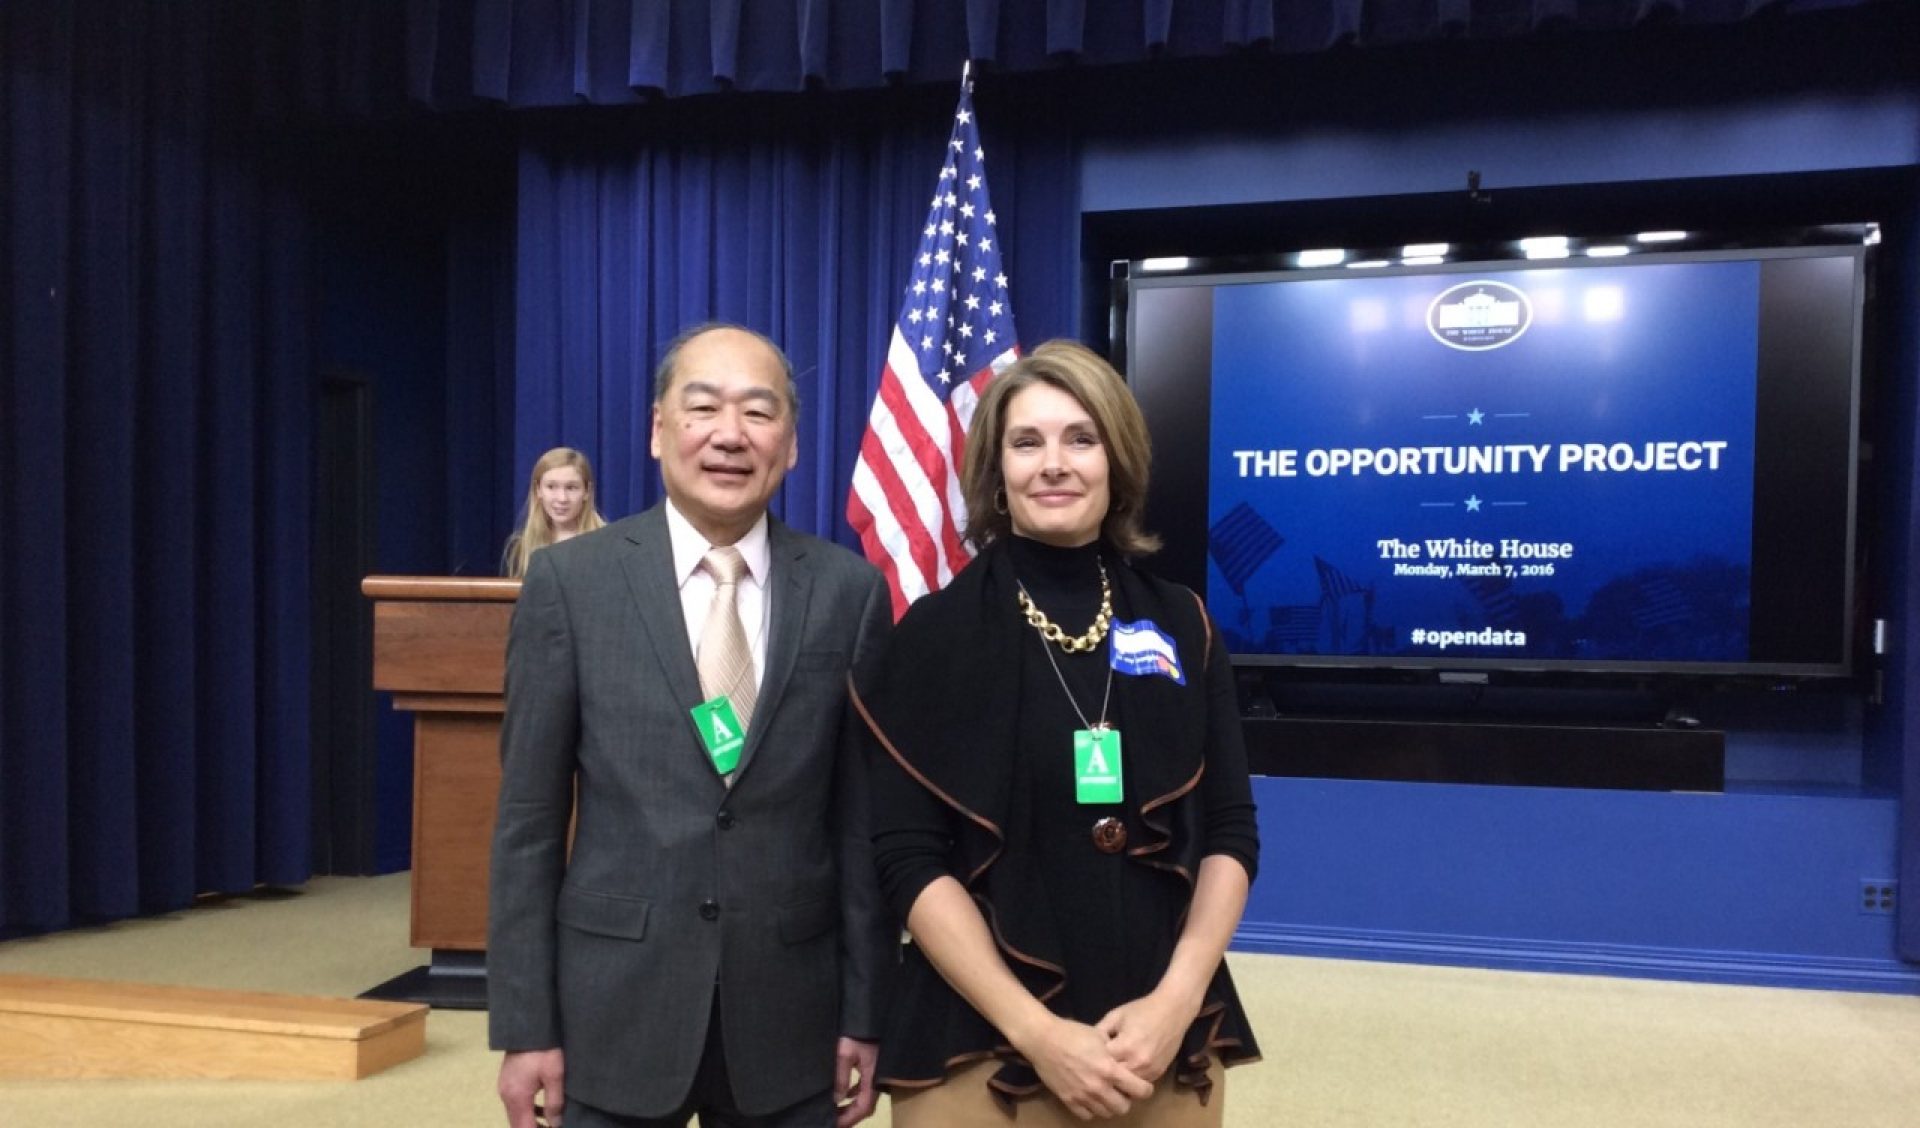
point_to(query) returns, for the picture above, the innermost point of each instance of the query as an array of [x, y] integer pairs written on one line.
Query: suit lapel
[[791, 589], [648, 566]]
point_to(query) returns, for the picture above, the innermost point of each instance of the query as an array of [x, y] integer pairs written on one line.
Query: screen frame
[[1176, 415]]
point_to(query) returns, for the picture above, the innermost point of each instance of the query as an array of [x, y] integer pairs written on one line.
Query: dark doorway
[[344, 747]]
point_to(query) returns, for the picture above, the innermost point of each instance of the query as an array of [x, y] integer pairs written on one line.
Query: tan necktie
[[724, 659]]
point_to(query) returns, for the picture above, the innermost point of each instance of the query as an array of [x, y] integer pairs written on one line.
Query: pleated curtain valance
[[373, 57]]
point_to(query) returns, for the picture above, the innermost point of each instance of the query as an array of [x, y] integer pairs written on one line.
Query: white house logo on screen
[[1476, 316]]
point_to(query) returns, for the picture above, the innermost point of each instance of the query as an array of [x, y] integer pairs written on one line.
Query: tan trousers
[[962, 1101]]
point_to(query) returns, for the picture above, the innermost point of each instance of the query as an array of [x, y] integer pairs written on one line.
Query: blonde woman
[[560, 504]]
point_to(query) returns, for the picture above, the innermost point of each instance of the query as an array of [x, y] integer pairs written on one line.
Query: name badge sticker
[[1142, 649]]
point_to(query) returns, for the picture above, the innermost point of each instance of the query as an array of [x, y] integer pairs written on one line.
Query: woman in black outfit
[[1062, 815]]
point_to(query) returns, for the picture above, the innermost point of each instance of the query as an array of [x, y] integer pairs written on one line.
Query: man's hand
[[524, 1074], [856, 1096]]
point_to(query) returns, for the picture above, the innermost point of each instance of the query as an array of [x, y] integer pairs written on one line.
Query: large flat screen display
[[1643, 463]]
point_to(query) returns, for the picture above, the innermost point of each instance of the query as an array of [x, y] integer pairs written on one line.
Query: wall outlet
[[1877, 895]]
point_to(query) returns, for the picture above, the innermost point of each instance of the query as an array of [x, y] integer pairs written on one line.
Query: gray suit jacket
[[675, 881]]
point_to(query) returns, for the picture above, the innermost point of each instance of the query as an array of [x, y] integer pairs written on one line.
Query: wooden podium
[[440, 647]]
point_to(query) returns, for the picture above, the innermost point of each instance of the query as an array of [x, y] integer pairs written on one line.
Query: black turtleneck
[[1093, 895], [1063, 582]]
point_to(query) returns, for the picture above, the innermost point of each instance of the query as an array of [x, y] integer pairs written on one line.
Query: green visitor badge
[[720, 731], [1096, 765]]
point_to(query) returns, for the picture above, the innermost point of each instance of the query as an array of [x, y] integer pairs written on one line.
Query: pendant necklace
[[1096, 745]]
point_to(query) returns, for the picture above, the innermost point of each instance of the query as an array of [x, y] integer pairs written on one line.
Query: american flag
[[1241, 542], [1295, 627], [1333, 582], [1495, 597], [1658, 603], [954, 332]]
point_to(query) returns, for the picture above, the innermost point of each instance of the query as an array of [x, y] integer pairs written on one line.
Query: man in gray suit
[[711, 944]]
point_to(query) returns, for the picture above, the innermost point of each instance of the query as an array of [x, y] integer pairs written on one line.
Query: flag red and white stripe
[[954, 333]]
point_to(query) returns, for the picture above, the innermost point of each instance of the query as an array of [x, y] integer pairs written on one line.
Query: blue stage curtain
[[798, 226], [306, 60], [154, 403], [369, 56]]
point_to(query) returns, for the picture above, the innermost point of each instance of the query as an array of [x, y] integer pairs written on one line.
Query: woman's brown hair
[[1081, 373]]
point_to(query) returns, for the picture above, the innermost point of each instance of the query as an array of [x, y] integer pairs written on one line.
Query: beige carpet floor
[[1348, 1044]]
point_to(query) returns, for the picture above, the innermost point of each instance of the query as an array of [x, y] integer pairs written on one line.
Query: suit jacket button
[[709, 910], [725, 819]]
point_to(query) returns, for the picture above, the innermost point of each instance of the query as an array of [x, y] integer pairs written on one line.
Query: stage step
[[83, 1028]]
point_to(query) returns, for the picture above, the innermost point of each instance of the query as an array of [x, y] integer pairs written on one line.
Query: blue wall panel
[[1739, 887], [1767, 135]]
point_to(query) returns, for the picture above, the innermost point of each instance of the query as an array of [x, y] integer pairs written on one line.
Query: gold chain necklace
[[1077, 644]]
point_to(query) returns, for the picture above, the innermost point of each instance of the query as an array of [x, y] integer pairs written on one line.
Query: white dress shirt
[[697, 585]]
